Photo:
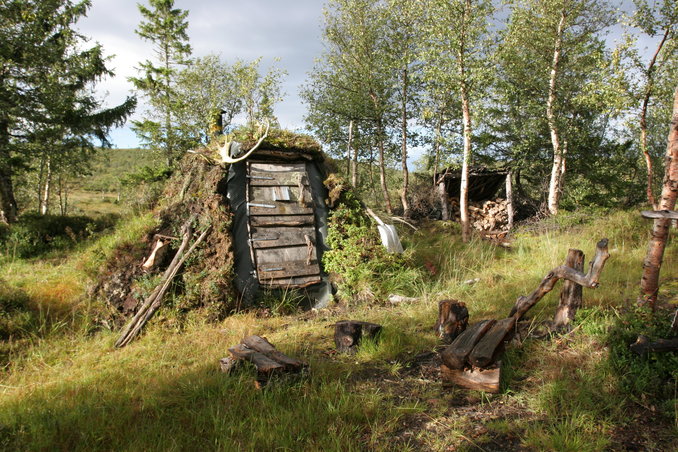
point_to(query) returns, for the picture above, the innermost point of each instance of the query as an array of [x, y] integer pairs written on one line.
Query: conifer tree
[[46, 79], [166, 28]]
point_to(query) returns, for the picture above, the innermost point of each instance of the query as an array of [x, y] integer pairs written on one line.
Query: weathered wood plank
[[491, 344], [279, 193], [487, 380], [278, 208], [288, 269], [660, 214], [260, 167], [281, 220], [277, 256], [276, 237], [456, 354], [296, 282]]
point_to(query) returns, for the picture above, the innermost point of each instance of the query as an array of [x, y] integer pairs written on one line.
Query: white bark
[[558, 167]]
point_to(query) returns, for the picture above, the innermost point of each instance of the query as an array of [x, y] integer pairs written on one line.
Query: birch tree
[[455, 54]]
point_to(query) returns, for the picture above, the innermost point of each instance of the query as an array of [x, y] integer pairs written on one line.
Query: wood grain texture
[[456, 354]]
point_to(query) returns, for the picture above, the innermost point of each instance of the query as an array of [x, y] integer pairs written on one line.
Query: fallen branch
[[589, 280], [153, 302], [643, 345]]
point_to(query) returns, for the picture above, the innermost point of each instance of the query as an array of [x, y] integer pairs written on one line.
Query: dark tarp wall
[[317, 295], [483, 183]]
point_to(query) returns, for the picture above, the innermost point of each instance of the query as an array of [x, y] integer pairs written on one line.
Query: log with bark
[[349, 333], [452, 320], [589, 280], [571, 293], [267, 359], [455, 356], [153, 301]]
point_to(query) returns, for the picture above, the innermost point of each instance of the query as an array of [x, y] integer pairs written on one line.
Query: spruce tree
[[46, 79], [166, 28]]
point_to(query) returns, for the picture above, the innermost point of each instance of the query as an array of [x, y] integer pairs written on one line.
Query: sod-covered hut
[[280, 213], [265, 220]]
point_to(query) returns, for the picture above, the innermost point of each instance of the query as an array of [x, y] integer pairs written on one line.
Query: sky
[[289, 30], [233, 29]]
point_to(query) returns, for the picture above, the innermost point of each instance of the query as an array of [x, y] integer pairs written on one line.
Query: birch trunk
[[348, 150], [8, 208], [558, 156], [382, 167], [436, 151], [649, 283], [466, 119], [44, 199], [509, 201], [406, 175], [643, 120]]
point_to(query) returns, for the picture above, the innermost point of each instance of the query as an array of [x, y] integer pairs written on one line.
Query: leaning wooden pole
[[588, 280], [153, 302], [649, 283]]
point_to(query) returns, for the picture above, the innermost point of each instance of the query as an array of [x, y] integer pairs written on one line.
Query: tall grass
[[72, 390]]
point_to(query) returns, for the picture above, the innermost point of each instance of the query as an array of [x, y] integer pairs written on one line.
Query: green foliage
[[34, 235], [49, 113], [166, 28], [654, 375], [356, 255]]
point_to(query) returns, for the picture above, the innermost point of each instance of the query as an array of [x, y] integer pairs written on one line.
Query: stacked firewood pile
[[490, 215]]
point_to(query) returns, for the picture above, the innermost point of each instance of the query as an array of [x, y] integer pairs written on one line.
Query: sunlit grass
[[69, 389]]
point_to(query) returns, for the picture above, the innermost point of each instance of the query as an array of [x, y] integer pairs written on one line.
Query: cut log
[[265, 357], [349, 333], [456, 354], [571, 293], [452, 320], [477, 379], [589, 280], [643, 345], [492, 343], [265, 365], [262, 345]]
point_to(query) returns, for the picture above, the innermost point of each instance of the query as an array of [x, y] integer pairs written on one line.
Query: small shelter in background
[[279, 228], [483, 186]]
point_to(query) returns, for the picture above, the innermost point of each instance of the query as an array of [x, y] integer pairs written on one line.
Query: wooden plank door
[[282, 225]]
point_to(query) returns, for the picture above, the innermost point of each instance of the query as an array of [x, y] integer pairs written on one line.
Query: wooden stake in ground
[[153, 302], [649, 283], [589, 280], [571, 293]]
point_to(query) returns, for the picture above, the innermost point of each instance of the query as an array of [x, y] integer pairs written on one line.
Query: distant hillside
[[111, 165]]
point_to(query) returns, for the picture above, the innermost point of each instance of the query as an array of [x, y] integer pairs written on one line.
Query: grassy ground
[[64, 386]]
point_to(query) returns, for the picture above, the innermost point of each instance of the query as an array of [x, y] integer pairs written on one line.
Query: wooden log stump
[[487, 380], [265, 357], [491, 345], [571, 293], [456, 354], [349, 333], [452, 320]]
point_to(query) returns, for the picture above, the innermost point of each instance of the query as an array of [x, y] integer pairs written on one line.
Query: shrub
[[36, 234]]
